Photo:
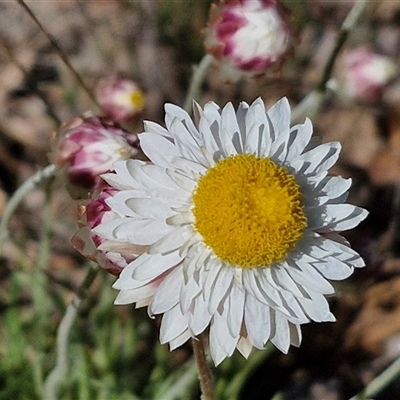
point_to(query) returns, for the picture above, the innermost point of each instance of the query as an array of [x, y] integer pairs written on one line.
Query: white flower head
[[239, 218]]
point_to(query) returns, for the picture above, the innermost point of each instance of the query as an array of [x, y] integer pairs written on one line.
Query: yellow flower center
[[249, 211], [137, 99]]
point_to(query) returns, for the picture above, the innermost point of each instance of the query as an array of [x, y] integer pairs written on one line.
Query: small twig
[[60, 52], [205, 375], [19, 195], [380, 382], [196, 81], [57, 374]]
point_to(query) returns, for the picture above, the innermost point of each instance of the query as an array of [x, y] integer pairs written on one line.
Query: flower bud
[[248, 35], [88, 148], [362, 75], [121, 100], [112, 255]]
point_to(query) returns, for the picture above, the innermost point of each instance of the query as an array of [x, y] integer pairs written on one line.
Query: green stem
[[19, 195], [205, 375], [60, 52], [311, 104], [57, 374], [380, 382], [196, 81]]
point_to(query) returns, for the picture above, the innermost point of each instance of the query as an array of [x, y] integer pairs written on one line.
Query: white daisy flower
[[239, 216]]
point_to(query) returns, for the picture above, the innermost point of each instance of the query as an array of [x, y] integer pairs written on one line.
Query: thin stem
[[19, 195], [60, 52], [380, 382], [348, 24], [311, 104], [61, 368], [205, 375], [197, 79]]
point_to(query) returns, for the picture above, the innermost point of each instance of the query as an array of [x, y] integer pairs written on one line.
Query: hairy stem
[[57, 374], [205, 375], [19, 195], [196, 81]]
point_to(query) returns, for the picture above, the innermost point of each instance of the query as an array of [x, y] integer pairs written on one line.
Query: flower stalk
[[57, 374], [197, 79], [205, 374], [311, 104], [20, 194]]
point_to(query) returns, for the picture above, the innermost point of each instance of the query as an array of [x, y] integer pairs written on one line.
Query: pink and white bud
[[88, 148], [248, 35], [112, 255], [363, 74], [121, 100]]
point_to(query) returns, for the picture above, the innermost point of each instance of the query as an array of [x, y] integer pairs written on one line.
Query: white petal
[[230, 129], [172, 241], [283, 279], [280, 335], [172, 111], [213, 267], [257, 283], [188, 293], [168, 293], [219, 328], [179, 340], [142, 232], [299, 137], [185, 165], [159, 149], [280, 115], [173, 324], [257, 320], [305, 275], [183, 181], [186, 144], [317, 160], [181, 219], [134, 295], [123, 179], [217, 353], [244, 346], [148, 266], [241, 119], [235, 305], [148, 208], [317, 308], [118, 202], [220, 289], [295, 334], [341, 217], [200, 318], [150, 126]]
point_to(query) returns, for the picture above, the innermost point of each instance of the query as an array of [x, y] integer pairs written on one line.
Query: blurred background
[[114, 351]]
